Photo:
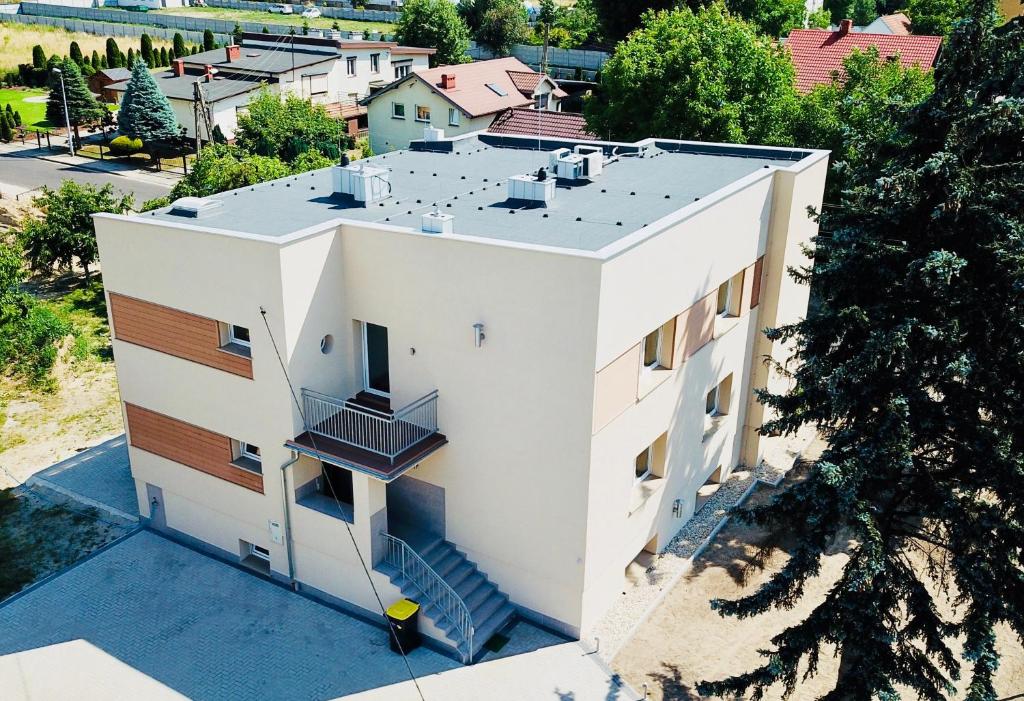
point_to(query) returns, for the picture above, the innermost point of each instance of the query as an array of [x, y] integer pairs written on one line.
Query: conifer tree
[[145, 111], [6, 133], [112, 53], [95, 60], [146, 50], [130, 61], [912, 371], [209, 43], [179, 45], [38, 57], [82, 106], [75, 53], [164, 59]]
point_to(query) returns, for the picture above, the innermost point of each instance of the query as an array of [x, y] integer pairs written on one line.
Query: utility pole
[[196, 100], [544, 57], [67, 117]]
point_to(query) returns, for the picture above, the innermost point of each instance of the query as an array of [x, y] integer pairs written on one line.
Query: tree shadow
[[673, 688]]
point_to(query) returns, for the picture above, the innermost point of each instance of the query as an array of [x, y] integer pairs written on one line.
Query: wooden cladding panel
[[755, 290], [174, 332], [188, 445]]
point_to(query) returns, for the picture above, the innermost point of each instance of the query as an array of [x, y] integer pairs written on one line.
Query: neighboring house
[[526, 121], [897, 23], [505, 387], [100, 81], [329, 71], [455, 99], [819, 53]]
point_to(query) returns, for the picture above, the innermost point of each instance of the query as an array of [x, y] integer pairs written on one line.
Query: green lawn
[[33, 114], [268, 18]]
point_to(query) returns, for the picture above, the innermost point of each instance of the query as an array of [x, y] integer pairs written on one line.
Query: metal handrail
[[438, 592], [383, 433]]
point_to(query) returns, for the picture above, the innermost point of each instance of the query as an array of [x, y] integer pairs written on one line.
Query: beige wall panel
[[615, 388]]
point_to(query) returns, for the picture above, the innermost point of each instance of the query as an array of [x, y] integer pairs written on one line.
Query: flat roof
[[467, 178]]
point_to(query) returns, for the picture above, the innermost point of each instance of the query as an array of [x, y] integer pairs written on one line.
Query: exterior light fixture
[[478, 334]]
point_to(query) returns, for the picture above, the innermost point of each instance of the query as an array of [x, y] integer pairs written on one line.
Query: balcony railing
[[381, 433]]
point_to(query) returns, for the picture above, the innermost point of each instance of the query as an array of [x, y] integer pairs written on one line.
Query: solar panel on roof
[[497, 89]]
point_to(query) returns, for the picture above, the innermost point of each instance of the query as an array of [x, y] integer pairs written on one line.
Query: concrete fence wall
[[562, 63], [154, 19], [110, 29], [332, 12]]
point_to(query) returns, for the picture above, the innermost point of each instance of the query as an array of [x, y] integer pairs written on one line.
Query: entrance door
[[375, 360]]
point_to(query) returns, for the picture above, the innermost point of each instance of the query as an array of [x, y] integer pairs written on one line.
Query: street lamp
[[67, 117]]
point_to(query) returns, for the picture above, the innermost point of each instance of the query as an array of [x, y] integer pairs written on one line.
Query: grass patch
[[17, 40], [38, 538], [352, 25], [84, 309], [33, 114]]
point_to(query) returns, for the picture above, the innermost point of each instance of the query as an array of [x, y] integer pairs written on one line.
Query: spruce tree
[[179, 45], [145, 112], [82, 106], [912, 371], [112, 53]]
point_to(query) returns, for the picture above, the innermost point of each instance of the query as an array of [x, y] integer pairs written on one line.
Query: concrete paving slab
[[100, 476]]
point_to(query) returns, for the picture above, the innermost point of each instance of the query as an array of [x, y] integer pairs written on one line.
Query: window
[[453, 117], [643, 464], [259, 552], [652, 349], [542, 102], [724, 297], [375, 63], [422, 113], [497, 89], [401, 70], [246, 456], [248, 450], [716, 405], [729, 294], [350, 65], [398, 110], [239, 334]]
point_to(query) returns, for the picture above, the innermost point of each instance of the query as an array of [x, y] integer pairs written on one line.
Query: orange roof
[[471, 93], [531, 122], [898, 23], [818, 53]]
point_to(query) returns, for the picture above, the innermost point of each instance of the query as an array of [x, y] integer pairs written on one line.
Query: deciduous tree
[[221, 167], [434, 23], [619, 18], [706, 75], [286, 129], [911, 369], [773, 17], [502, 26]]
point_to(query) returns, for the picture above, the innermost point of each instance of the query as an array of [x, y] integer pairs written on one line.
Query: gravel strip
[[632, 609]]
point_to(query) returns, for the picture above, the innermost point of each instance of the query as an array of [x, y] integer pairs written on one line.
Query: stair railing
[[399, 555]]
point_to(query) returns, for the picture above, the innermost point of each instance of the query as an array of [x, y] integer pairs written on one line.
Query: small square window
[[716, 405], [240, 335], [643, 464], [541, 102], [401, 71], [422, 113], [350, 65], [248, 450], [259, 552], [375, 63], [724, 297], [398, 110], [246, 456], [652, 349], [711, 402], [453, 117]]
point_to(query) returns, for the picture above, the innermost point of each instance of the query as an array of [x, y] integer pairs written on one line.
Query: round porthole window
[[326, 343]]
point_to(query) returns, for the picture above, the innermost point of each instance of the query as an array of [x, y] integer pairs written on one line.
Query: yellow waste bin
[[403, 628]]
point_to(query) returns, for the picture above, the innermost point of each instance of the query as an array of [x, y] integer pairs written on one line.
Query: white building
[[332, 72], [455, 100], [512, 383]]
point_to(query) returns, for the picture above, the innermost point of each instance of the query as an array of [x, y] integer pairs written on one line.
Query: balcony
[[375, 441]]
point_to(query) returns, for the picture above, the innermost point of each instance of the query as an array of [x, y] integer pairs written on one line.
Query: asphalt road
[[23, 169]]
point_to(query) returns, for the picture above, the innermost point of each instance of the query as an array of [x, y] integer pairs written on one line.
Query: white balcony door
[[376, 379]]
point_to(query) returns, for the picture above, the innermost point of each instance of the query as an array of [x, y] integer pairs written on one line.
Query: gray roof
[[116, 73], [469, 182], [271, 61], [180, 87]]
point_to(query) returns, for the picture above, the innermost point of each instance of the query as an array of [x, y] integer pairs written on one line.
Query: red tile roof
[[530, 122], [525, 81], [471, 93], [818, 53]]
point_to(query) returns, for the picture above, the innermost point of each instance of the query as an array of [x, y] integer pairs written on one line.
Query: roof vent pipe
[[437, 222]]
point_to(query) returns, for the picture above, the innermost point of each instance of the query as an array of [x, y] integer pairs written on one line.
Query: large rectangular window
[[422, 113]]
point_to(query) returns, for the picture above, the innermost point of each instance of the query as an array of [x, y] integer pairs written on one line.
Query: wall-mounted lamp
[[478, 333], [677, 508]]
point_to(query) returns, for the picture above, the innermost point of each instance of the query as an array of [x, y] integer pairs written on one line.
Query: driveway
[[149, 618]]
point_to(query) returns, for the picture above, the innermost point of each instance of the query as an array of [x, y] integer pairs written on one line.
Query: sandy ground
[[684, 641]]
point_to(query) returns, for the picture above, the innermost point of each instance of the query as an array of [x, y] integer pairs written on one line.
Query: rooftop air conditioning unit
[[593, 160], [433, 134], [530, 188], [570, 167], [366, 184]]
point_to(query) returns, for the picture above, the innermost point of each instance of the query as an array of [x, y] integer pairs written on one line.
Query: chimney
[[208, 73], [178, 66], [232, 52], [845, 26], [448, 81]]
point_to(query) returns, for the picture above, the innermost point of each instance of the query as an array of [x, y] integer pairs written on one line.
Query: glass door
[[375, 360]]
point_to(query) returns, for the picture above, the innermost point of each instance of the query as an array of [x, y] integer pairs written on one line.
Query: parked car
[[311, 13], [280, 9]]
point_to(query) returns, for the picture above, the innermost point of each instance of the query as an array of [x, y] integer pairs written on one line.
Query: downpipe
[[288, 519]]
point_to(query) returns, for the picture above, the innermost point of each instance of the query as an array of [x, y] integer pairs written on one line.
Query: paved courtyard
[[170, 621], [101, 474]]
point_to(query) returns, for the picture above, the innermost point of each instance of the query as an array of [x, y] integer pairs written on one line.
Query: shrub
[[363, 144], [28, 346], [125, 146]]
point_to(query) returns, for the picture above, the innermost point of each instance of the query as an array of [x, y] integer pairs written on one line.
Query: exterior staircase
[[475, 597]]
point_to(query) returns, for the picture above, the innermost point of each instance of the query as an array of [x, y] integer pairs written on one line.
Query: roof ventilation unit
[[433, 134], [532, 188], [366, 184], [593, 160], [437, 223], [194, 207]]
